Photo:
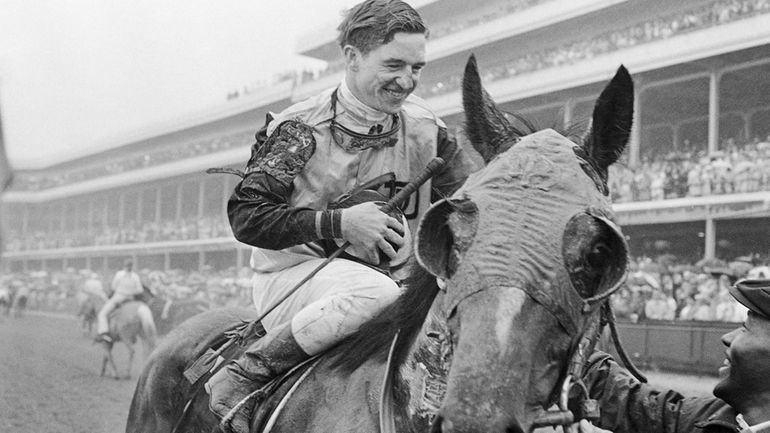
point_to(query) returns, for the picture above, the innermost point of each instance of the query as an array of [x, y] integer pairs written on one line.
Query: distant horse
[[6, 301], [169, 313], [527, 253], [88, 308], [19, 303], [128, 323]]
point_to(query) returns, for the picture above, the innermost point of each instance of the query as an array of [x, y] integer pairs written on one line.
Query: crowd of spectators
[[660, 289], [739, 168], [39, 180], [60, 291], [207, 227], [698, 18], [703, 16], [664, 289]]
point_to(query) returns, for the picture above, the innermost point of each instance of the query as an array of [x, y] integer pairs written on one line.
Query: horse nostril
[[514, 428], [435, 426]]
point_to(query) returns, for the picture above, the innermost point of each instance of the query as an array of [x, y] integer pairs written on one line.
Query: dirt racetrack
[[49, 379]]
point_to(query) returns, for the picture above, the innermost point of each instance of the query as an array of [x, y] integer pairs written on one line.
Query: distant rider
[[126, 285]]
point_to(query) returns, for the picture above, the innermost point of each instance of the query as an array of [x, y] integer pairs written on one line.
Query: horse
[[170, 313], [20, 303], [88, 307], [513, 273], [6, 301], [128, 323]]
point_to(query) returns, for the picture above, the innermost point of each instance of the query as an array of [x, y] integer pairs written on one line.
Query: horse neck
[[422, 375]]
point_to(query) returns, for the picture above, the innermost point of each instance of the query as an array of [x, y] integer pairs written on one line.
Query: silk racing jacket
[[297, 169]]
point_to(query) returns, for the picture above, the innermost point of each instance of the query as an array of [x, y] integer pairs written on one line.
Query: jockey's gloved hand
[[369, 231]]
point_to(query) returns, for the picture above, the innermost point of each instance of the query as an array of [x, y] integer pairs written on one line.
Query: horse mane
[[405, 316]]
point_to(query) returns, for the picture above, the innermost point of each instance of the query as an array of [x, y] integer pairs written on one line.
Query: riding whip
[[208, 360]]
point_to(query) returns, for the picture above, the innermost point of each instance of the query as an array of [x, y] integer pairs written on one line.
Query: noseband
[[600, 312]]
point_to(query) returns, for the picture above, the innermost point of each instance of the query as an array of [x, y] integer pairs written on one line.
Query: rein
[[586, 342]]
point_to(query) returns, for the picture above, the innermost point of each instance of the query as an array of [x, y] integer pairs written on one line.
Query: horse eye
[[597, 257]]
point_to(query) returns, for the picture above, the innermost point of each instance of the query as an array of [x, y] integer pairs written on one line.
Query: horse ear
[[611, 125], [485, 125]]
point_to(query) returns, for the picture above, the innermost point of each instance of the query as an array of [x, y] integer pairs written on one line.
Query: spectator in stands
[[280, 207], [660, 307], [741, 397], [93, 286], [726, 308], [125, 286]]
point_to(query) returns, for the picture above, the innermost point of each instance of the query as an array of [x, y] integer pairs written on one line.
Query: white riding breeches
[[102, 324], [332, 305]]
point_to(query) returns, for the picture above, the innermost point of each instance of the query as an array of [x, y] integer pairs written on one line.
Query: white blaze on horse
[[527, 252]]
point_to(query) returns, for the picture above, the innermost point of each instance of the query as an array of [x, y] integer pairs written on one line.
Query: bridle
[[599, 313]]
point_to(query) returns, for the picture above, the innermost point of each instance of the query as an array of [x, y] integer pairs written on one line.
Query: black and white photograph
[[385, 216]]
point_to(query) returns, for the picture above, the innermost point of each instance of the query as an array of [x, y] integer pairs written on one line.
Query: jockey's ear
[[352, 57]]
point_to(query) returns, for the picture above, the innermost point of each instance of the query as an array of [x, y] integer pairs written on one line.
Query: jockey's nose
[[405, 81]]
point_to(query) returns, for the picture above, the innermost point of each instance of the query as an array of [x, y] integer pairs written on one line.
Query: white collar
[[357, 109]]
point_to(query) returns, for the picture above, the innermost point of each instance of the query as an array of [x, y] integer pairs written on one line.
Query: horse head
[[524, 249]]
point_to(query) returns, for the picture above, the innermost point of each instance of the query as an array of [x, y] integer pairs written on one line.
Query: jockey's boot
[[272, 355]]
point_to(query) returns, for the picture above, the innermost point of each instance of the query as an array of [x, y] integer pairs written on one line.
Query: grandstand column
[[201, 260], [636, 127], [62, 219], [178, 212], [710, 238], [226, 190], [90, 216], [714, 78], [166, 261], [25, 220], [568, 112], [747, 125], [139, 208], [157, 206], [675, 135], [121, 209], [239, 260], [201, 197]]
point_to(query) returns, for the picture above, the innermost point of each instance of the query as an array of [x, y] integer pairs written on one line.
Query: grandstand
[[694, 182]]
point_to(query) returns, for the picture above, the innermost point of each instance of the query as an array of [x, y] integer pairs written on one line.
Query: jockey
[[367, 126], [125, 285]]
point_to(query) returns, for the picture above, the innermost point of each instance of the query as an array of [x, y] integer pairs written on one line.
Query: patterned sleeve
[[259, 210], [458, 166]]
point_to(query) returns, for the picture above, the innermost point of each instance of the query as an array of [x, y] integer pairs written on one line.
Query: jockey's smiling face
[[385, 76]]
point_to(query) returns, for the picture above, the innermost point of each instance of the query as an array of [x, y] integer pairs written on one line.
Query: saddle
[[270, 398]]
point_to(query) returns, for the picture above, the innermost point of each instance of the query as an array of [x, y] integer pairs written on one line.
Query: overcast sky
[[77, 74]]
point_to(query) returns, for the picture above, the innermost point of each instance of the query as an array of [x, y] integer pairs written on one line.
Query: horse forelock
[[405, 317]]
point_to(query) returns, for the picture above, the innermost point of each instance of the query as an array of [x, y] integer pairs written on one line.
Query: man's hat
[[754, 294]]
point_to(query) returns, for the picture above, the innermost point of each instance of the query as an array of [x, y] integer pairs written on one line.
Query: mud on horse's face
[[525, 241]]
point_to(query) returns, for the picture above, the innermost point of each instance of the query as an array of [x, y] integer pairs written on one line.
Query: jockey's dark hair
[[372, 23]]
